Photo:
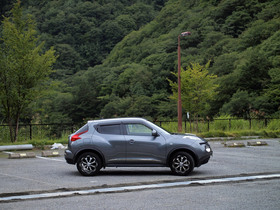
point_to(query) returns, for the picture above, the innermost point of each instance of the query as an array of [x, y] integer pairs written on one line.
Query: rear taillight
[[77, 136]]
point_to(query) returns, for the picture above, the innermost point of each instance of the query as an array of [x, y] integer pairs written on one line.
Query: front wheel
[[182, 163], [89, 164]]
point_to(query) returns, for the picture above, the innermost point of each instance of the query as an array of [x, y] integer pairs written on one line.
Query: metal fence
[[39, 131], [57, 130], [231, 124]]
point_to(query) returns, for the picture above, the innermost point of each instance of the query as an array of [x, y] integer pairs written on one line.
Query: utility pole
[[179, 109]]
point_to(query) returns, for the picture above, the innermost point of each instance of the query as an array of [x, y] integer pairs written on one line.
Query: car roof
[[118, 120]]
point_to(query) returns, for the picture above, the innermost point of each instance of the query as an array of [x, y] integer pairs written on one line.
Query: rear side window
[[109, 129], [83, 129]]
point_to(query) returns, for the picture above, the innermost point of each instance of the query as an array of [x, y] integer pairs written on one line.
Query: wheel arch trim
[[80, 152], [174, 151]]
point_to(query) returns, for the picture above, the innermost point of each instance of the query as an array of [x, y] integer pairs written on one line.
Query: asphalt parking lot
[[53, 174]]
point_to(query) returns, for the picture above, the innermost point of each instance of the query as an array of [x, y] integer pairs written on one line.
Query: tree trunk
[[11, 130], [16, 130], [196, 123]]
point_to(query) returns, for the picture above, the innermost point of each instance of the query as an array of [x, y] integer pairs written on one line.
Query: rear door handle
[[131, 141]]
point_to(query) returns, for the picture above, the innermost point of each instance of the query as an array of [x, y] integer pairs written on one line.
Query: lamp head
[[187, 33]]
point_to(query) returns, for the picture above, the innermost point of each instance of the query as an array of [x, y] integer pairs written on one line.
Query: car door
[[113, 143], [143, 147]]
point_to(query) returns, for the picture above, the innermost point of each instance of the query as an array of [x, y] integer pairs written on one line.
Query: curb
[[249, 143], [257, 143], [22, 155], [13, 155], [238, 144], [50, 154]]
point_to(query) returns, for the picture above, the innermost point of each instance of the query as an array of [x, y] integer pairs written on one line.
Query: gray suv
[[133, 142]]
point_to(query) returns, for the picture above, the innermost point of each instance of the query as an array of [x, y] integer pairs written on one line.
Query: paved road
[[258, 195], [53, 175]]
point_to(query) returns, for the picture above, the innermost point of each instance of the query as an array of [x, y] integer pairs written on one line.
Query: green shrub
[[274, 124], [270, 134]]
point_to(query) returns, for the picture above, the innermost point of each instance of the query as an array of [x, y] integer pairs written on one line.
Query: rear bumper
[[69, 157]]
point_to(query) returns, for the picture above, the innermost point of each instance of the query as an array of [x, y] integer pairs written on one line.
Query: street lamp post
[[179, 109]]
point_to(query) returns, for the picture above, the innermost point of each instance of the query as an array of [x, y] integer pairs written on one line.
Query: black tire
[[89, 164], [181, 163]]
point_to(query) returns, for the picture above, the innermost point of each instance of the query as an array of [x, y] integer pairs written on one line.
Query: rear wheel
[[89, 164], [182, 163]]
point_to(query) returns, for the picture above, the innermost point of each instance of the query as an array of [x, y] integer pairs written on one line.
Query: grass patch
[[41, 143], [273, 125], [215, 134], [38, 142]]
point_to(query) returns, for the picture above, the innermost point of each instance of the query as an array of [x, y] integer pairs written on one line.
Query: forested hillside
[[84, 32], [115, 56]]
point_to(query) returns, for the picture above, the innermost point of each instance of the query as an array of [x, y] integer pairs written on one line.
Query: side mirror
[[154, 133]]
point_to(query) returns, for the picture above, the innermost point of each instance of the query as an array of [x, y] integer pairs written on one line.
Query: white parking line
[[46, 158], [28, 179], [140, 187]]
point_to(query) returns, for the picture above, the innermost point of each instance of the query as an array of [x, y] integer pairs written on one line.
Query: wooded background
[[116, 58]]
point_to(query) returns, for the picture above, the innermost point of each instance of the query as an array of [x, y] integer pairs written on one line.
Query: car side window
[[83, 129], [109, 129], [138, 129]]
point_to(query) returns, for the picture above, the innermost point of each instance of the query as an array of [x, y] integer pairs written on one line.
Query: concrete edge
[[257, 143], [50, 154], [22, 155], [234, 144]]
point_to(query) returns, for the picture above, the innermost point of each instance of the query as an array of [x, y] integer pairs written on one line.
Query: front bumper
[[205, 158]]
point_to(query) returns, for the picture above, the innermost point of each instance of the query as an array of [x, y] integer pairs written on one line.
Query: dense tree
[[89, 28], [5, 6], [240, 105], [198, 89], [23, 67]]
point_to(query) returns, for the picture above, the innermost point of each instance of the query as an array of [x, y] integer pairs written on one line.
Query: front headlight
[[208, 149]]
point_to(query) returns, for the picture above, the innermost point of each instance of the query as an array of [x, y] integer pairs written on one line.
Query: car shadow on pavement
[[140, 172], [133, 173]]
